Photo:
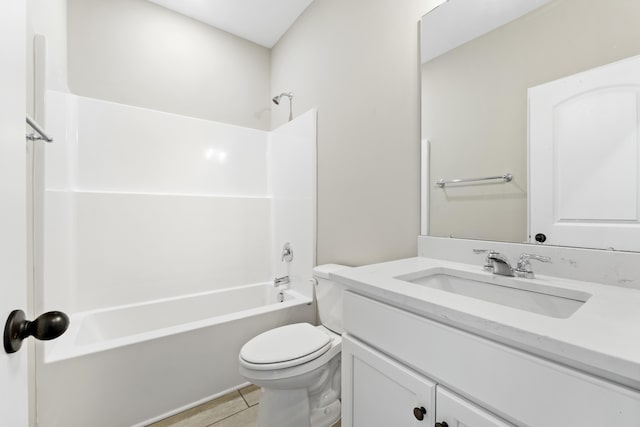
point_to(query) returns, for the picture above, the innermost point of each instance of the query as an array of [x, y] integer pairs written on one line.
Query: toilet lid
[[295, 344]]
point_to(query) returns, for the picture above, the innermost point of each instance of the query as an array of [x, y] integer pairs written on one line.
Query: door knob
[[442, 424], [46, 327]]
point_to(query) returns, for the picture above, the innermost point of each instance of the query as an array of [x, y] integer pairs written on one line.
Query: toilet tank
[[329, 297]]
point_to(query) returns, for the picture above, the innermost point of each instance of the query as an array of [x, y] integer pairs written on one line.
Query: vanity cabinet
[[395, 361], [381, 392]]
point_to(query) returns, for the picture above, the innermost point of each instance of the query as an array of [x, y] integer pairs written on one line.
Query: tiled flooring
[[237, 409]]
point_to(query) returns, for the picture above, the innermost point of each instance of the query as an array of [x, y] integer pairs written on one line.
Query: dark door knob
[[442, 424], [419, 413], [46, 327]]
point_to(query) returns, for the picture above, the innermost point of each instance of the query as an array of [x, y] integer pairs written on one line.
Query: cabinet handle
[[419, 413], [442, 424]]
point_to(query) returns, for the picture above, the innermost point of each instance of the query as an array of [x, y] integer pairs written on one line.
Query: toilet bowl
[[298, 366]]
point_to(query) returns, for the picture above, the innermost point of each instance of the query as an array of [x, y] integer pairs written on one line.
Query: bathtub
[[135, 364]]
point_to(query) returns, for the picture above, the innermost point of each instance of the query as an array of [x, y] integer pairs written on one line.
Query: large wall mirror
[[475, 100]]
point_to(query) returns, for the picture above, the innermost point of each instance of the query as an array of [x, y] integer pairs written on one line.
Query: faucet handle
[[525, 257], [287, 252], [523, 268]]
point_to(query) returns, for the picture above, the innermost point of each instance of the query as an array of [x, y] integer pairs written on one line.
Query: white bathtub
[[135, 364]]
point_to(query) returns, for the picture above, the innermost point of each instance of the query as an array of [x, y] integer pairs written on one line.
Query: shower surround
[[150, 216]]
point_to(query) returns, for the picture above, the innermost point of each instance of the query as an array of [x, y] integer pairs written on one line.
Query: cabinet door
[[379, 392], [458, 412]]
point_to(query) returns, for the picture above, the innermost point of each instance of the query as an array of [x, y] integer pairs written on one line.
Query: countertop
[[602, 337]]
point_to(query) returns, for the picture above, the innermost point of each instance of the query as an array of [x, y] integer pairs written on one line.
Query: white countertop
[[602, 337]]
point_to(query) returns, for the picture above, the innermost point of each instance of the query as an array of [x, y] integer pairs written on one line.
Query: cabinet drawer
[[520, 387], [456, 411]]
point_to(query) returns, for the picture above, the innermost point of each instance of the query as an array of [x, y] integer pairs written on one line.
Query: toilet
[[298, 366]]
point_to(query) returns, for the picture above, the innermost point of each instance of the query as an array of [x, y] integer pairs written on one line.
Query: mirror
[[474, 99]]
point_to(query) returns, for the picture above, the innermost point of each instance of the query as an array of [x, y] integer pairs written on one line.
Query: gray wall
[[138, 53], [356, 61]]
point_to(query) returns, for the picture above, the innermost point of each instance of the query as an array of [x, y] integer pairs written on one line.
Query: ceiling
[[260, 21]]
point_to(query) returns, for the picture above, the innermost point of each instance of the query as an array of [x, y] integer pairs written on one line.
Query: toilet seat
[[285, 347]]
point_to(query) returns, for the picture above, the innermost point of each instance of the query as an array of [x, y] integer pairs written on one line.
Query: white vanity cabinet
[[395, 361], [380, 392]]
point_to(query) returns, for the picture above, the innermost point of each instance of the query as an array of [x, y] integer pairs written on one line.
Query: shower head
[[276, 99]]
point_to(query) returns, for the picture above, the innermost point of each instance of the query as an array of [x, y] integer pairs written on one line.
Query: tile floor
[[237, 409]]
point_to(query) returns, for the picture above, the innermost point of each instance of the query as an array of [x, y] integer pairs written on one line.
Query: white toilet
[[298, 366]]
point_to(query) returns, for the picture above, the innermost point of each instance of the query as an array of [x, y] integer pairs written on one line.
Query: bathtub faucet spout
[[278, 281]]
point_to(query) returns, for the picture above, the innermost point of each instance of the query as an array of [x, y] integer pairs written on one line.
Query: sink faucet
[[499, 263], [496, 262]]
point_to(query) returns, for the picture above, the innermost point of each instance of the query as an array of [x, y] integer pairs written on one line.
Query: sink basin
[[521, 294]]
